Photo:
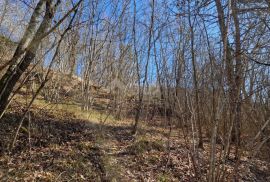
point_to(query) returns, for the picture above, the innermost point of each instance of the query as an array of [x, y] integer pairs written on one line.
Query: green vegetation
[[73, 108], [144, 145]]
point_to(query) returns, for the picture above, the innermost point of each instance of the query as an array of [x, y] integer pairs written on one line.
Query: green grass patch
[[164, 177], [74, 108], [144, 145]]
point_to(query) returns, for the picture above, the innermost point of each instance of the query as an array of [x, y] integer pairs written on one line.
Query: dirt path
[[68, 149]]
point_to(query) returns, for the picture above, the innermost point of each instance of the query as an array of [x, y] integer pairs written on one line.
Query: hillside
[[65, 145], [128, 90], [6, 50]]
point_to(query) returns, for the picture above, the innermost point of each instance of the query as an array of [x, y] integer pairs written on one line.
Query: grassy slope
[[68, 144]]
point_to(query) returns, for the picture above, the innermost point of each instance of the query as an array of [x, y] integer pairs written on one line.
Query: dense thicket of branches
[[203, 65]]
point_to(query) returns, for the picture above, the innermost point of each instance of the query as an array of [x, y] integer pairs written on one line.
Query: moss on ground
[[144, 145]]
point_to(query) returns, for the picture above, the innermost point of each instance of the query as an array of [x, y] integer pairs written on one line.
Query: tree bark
[[18, 67]]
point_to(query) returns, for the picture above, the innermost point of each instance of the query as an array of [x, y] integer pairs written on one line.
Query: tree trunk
[[18, 67], [195, 82]]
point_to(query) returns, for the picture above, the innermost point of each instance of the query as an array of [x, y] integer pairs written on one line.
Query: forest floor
[[61, 146]]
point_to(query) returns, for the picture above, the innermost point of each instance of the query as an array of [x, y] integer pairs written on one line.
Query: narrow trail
[[95, 156], [65, 148]]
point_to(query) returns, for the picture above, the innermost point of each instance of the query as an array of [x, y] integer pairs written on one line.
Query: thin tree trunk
[[141, 89], [14, 72], [195, 82]]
